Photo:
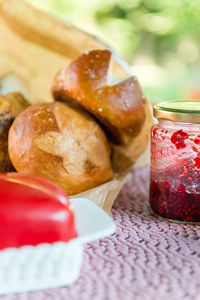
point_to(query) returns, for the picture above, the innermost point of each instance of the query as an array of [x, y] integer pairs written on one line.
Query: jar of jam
[[175, 161]]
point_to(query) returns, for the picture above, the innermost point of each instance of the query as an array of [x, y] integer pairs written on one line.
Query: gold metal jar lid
[[187, 111]]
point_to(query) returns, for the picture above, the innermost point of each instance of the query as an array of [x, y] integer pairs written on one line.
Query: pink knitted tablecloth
[[147, 258]]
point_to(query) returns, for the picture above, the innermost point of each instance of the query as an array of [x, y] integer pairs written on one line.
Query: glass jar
[[175, 161]]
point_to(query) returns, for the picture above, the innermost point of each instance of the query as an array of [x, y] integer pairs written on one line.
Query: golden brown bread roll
[[10, 106], [62, 143], [119, 107]]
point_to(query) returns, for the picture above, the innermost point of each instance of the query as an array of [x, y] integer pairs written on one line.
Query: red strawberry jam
[[175, 171], [174, 202], [175, 161]]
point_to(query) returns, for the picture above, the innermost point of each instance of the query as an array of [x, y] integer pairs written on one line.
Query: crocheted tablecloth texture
[[147, 258]]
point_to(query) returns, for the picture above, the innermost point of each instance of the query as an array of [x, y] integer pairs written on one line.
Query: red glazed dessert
[[33, 210], [175, 161]]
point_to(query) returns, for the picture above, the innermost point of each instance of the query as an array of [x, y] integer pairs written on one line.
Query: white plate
[[53, 265]]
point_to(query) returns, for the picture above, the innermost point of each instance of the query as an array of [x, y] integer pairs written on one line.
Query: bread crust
[[62, 143], [10, 106], [120, 107]]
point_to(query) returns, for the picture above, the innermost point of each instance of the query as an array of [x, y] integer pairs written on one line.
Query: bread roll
[[10, 106], [119, 107], [62, 143]]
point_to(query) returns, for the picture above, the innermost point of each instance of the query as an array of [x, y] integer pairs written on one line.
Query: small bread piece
[[14, 103], [10, 106], [119, 107], [6, 120], [62, 143]]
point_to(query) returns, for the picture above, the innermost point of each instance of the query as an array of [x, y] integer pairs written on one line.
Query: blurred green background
[[159, 38]]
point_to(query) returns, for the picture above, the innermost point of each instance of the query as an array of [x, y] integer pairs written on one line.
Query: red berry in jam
[[155, 131], [197, 161], [197, 140], [194, 149], [178, 139]]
